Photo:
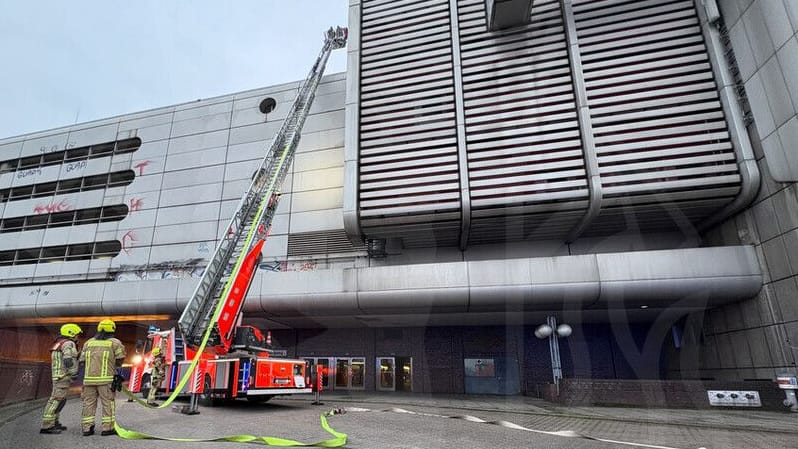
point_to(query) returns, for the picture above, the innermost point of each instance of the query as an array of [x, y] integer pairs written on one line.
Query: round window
[[267, 105]]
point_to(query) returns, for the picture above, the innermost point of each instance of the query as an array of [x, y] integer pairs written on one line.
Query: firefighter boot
[[88, 432], [51, 430]]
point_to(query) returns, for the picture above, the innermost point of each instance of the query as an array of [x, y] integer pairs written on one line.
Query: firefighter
[[64, 360], [157, 375], [103, 354]]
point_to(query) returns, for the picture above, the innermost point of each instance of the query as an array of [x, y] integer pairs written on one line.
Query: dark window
[[82, 251], [56, 157], [128, 145], [69, 185], [48, 188], [54, 253], [121, 178], [21, 192], [28, 162], [62, 218], [30, 255], [267, 105], [13, 224], [107, 249], [102, 149], [77, 153], [52, 220], [7, 257], [79, 252], [52, 158], [36, 221], [88, 215], [115, 211], [8, 166], [94, 181]]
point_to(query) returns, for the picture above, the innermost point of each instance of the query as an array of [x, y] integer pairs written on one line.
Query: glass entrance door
[[404, 374], [386, 374], [350, 373], [326, 371]]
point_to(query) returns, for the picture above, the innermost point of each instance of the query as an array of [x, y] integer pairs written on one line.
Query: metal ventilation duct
[[503, 14]]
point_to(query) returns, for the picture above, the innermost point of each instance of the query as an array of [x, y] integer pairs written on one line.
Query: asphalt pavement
[[374, 420]]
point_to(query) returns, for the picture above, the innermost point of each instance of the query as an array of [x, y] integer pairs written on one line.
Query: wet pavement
[[378, 420]]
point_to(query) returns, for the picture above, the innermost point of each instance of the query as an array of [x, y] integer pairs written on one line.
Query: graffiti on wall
[[128, 238], [72, 166], [54, 148], [193, 268], [26, 379], [135, 204], [30, 172], [39, 291], [173, 269], [61, 206], [141, 165], [278, 266]]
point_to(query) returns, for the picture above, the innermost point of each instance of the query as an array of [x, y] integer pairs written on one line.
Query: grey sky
[[101, 58]]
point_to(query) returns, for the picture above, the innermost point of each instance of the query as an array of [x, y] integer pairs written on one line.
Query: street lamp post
[[552, 331]]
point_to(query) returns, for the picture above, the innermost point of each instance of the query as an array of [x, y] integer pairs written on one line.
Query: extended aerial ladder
[[249, 226], [213, 312]]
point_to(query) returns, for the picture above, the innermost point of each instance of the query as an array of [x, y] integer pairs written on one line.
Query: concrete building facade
[[626, 166]]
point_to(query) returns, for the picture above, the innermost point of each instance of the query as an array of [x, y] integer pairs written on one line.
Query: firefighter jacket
[[158, 366], [102, 357], [64, 358]]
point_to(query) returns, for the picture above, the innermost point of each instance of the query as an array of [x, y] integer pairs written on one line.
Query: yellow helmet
[[107, 326], [156, 350], [71, 330]]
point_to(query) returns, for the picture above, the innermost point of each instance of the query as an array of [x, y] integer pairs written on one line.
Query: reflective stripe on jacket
[[63, 348], [100, 357]]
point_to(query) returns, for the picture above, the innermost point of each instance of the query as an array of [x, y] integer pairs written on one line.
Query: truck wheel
[[205, 398], [146, 384]]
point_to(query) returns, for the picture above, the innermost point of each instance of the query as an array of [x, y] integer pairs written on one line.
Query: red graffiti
[[127, 241], [141, 166], [136, 204], [61, 206]]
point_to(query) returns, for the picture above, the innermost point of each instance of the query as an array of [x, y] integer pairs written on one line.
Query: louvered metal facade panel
[[596, 117], [664, 151], [408, 167], [525, 165], [321, 244]]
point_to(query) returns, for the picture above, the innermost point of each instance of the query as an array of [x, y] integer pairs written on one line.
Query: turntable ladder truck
[[233, 361]]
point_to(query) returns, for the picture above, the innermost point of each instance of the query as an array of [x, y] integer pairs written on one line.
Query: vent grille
[[664, 153], [408, 146], [524, 150], [663, 147], [321, 243]]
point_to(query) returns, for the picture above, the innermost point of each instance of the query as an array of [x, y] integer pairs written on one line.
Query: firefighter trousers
[[56, 402], [107, 397], [154, 385]]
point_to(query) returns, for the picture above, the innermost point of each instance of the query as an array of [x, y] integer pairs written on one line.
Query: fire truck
[[210, 355]]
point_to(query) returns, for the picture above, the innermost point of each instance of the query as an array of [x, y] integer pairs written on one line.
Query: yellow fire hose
[[339, 439]]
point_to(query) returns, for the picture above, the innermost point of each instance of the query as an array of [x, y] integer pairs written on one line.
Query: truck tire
[[205, 398], [146, 384]]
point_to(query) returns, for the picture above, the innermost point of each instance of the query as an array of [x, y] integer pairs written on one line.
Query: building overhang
[[597, 287]]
